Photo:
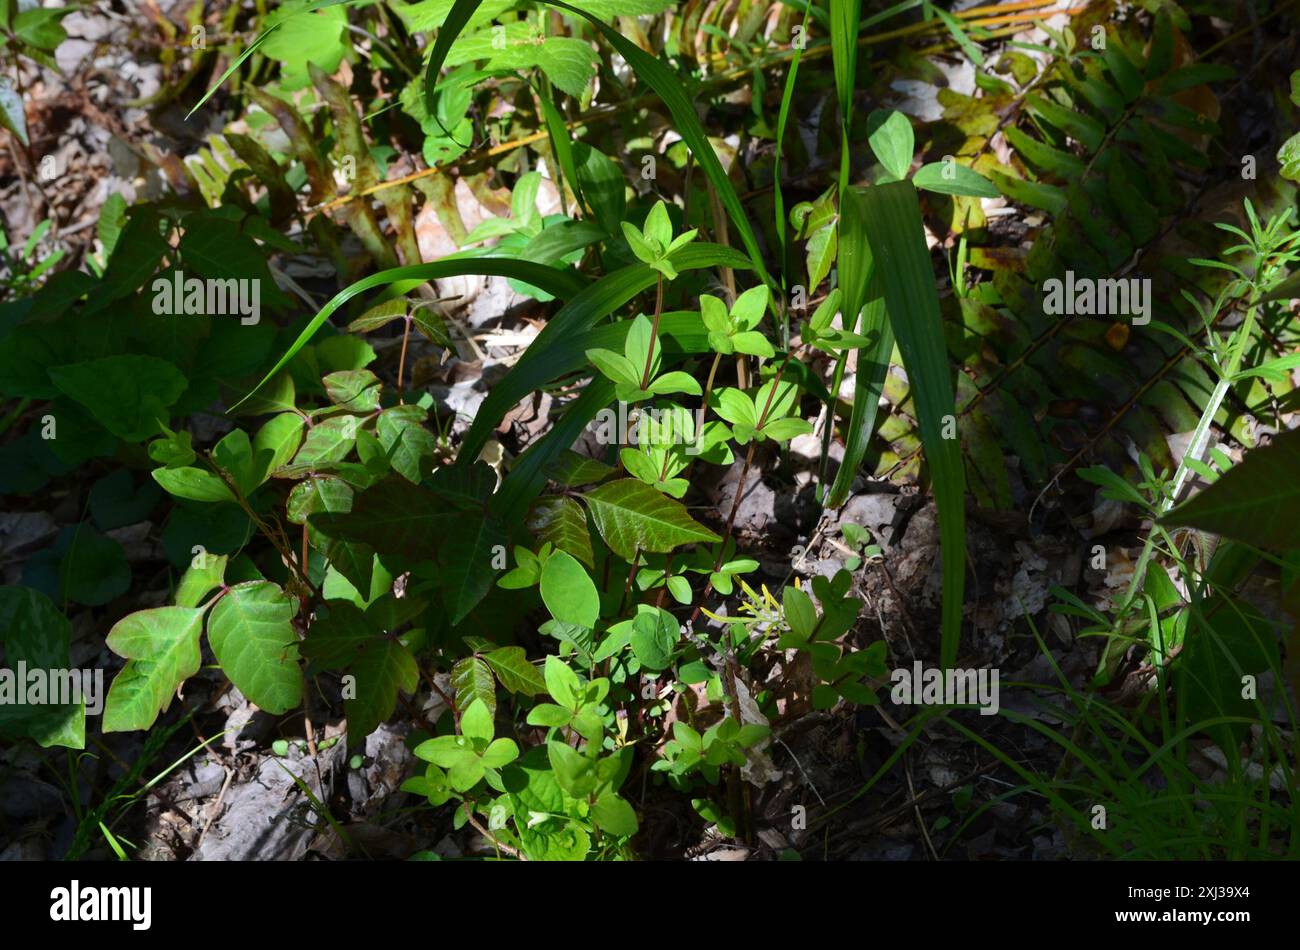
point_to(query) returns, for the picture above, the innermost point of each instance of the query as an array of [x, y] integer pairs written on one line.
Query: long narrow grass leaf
[[897, 235], [556, 282]]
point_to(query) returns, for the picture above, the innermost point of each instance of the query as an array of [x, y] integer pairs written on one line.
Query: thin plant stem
[[654, 332]]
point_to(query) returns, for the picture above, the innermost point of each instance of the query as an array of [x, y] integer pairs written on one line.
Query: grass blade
[[261, 38], [557, 283], [860, 283], [783, 116], [897, 235]]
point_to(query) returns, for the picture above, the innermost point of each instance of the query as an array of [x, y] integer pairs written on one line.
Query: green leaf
[[654, 635], [892, 140], [298, 39], [233, 455], [561, 682], [569, 594], [82, 566], [353, 389], [466, 570], [127, 394], [862, 293], [1256, 501], [192, 484], [251, 632], [631, 516], [162, 649], [1226, 640], [13, 114], [393, 517], [949, 178], [575, 772], [276, 443], [736, 407], [205, 574], [612, 813], [615, 366], [602, 184], [799, 612], [327, 443], [471, 678], [897, 235], [383, 668], [562, 522], [1288, 156], [410, 446], [549, 715], [36, 633], [515, 672], [324, 494]]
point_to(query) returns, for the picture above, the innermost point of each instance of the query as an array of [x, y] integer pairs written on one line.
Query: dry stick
[[401, 362], [499, 845], [920, 819]]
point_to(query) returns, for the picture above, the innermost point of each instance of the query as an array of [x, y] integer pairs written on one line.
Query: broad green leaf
[[162, 649], [251, 632], [82, 566], [276, 443], [36, 633], [205, 574], [613, 814], [126, 394], [950, 178], [353, 389], [234, 456], [892, 141], [1256, 501], [382, 669], [654, 635], [328, 442], [1226, 640], [575, 772], [392, 517], [563, 523], [631, 516], [410, 446], [516, 673], [466, 559], [603, 185], [193, 484], [338, 633], [569, 594], [561, 682], [471, 678], [325, 494], [13, 114]]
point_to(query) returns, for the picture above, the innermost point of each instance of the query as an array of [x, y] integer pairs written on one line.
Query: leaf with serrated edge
[[515, 672], [633, 516], [251, 632], [471, 678], [162, 647]]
